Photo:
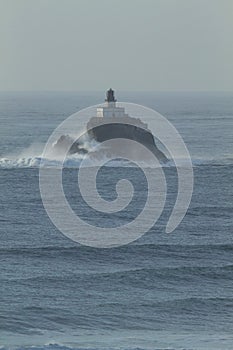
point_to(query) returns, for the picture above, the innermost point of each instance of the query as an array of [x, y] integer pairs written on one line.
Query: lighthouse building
[[110, 110]]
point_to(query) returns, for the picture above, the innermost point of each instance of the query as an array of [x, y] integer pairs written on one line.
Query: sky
[[90, 45]]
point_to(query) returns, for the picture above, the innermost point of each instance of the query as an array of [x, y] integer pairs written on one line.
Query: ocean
[[163, 291]]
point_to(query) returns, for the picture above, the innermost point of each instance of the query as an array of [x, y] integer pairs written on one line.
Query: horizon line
[[119, 90]]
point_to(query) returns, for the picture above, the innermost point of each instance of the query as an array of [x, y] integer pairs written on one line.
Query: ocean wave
[[142, 247], [55, 346], [70, 162], [76, 161], [129, 276]]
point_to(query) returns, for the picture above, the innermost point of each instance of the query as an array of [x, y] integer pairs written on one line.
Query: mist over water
[[160, 292]]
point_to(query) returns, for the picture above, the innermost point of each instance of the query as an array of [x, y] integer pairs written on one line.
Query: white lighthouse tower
[[110, 110]]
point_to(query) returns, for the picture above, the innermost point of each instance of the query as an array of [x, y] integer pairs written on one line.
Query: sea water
[[163, 291]]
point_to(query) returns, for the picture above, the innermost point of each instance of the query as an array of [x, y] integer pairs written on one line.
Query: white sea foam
[[74, 161], [32, 157]]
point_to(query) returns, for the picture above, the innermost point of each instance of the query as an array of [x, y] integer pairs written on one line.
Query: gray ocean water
[[163, 291]]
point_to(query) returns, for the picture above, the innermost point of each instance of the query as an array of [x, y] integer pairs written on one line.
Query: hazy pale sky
[[125, 44]]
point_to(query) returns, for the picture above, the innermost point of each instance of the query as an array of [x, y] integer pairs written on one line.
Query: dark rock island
[[99, 131]]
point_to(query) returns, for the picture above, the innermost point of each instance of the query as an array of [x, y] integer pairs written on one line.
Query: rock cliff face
[[102, 132]]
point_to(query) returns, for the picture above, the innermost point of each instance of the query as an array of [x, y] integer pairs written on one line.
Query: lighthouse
[[110, 109], [110, 98]]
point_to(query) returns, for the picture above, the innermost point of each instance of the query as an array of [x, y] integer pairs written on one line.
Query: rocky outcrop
[[101, 132], [138, 132]]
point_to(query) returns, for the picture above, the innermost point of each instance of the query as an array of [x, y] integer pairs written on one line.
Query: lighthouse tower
[[110, 99], [110, 110]]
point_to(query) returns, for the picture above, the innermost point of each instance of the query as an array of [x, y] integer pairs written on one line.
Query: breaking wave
[[75, 161], [32, 157], [70, 162]]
